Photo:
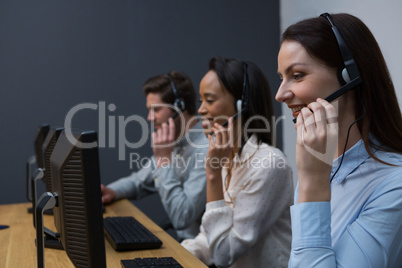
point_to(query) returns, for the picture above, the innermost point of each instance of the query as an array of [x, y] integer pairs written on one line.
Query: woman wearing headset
[[249, 184], [348, 202]]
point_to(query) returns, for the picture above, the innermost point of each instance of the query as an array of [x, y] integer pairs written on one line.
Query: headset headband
[[346, 54], [177, 102]]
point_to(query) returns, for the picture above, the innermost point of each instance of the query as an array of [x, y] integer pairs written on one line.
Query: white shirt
[[251, 226]]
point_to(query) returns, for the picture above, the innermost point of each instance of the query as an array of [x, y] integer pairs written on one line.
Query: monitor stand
[[46, 212], [47, 201], [31, 161], [38, 174], [51, 238]]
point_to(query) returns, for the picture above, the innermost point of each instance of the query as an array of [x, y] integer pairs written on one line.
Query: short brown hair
[[185, 90]]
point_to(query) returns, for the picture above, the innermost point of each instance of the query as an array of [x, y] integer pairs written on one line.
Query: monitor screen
[[76, 183]]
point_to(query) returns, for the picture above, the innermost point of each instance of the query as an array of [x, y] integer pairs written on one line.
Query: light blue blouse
[[362, 225]]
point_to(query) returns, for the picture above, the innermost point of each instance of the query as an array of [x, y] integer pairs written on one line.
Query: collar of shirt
[[248, 150], [353, 158]]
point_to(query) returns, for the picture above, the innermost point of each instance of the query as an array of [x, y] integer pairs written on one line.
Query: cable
[[347, 137], [344, 149]]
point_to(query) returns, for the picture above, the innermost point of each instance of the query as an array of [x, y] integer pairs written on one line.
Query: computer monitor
[[47, 149], [76, 191], [37, 158], [43, 172]]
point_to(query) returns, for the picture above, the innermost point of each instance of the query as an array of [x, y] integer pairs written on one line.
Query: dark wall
[[55, 55]]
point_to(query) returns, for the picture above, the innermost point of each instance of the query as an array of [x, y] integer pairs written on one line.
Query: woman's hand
[[163, 141], [220, 147], [317, 139]]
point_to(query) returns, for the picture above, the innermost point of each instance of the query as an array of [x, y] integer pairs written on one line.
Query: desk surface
[[17, 247]]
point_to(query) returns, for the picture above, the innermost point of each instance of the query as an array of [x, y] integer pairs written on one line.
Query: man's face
[[159, 111]]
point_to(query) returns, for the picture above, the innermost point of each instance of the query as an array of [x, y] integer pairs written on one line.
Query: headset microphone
[[344, 89], [175, 115], [349, 77], [355, 82], [238, 105]]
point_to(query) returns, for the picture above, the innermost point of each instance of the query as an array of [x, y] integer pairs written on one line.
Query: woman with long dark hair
[[249, 184], [348, 202]]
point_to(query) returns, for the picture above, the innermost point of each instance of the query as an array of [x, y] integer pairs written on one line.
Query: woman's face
[[217, 104], [304, 79]]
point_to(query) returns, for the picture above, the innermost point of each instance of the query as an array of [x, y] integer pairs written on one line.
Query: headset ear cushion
[[343, 76], [180, 105], [238, 105]]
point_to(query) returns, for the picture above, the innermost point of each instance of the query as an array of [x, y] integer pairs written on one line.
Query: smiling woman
[[303, 77], [348, 153], [249, 184], [216, 102]]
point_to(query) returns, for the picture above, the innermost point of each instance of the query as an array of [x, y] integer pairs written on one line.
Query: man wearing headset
[[177, 168]]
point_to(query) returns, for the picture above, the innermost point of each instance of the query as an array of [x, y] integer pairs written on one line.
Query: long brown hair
[[383, 117]]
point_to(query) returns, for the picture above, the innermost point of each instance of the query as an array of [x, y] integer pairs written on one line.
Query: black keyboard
[[126, 233], [164, 262]]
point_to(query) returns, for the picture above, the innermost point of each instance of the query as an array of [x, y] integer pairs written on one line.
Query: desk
[[17, 246]]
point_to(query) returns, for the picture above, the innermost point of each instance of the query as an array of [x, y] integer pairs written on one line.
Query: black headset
[[349, 77], [178, 103], [240, 104]]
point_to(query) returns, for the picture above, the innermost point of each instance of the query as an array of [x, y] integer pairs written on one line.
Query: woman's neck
[[346, 118]]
